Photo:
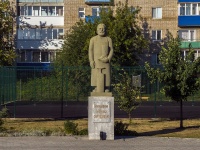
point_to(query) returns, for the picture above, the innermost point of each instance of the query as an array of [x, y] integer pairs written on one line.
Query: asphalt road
[[79, 110]]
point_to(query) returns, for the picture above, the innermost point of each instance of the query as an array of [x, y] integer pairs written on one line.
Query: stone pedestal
[[101, 118]]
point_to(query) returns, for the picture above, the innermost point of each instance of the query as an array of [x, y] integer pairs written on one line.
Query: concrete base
[[101, 118]]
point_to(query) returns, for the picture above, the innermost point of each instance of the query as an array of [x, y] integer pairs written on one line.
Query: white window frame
[[188, 32], [24, 11], [26, 33], [156, 35], [98, 10], [157, 11], [197, 11], [81, 11]]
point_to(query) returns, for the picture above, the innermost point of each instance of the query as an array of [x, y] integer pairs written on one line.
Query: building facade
[[40, 30], [42, 24]]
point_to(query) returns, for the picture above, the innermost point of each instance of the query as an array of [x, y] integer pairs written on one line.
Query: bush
[[83, 132], [121, 129], [4, 113], [71, 127]]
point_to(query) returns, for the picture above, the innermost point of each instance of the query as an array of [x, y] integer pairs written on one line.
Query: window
[[36, 10], [52, 56], [189, 9], [52, 11], [157, 59], [157, 13], [194, 9], [81, 12], [36, 57], [44, 57], [44, 11], [188, 35], [59, 11], [60, 34], [37, 33], [55, 34], [156, 35], [22, 56], [95, 11], [182, 9], [40, 11]]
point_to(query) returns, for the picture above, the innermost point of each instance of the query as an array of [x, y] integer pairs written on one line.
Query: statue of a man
[[100, 54]]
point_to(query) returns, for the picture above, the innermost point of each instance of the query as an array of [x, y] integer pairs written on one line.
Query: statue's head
[[101, 29]]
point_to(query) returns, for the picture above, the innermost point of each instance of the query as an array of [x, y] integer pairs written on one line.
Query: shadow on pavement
[[167, 131]]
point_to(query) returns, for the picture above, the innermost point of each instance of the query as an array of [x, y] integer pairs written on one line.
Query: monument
[[101, 102]]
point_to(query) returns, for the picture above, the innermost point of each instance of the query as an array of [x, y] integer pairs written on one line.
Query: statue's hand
[[104, 60], [92, 64]]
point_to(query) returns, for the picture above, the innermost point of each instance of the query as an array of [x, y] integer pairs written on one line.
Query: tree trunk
[[181, 113], [129, 115]]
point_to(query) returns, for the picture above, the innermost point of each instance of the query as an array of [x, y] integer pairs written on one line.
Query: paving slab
[[82, 143]]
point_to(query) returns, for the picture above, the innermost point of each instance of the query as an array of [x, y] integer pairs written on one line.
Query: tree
[[179, 74], [7, 53], [123, 28], [127, 94]]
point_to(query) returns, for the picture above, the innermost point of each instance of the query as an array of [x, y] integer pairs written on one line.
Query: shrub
[[71, 127], [83, 132], [4, 113], [121, 129]]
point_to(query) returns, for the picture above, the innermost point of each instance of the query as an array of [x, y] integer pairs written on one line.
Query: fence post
[[66, 90], [155, 105], [62, 92]]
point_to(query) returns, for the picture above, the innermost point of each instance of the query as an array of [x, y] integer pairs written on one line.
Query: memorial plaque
[[101, 111]]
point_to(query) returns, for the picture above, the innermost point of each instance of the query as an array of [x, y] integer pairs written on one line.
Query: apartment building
[[40, 30], [42, 24]]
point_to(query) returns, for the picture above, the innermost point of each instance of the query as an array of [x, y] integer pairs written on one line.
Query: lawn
[[143, 127]]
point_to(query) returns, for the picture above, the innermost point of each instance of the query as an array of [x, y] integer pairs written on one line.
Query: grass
[[144, 127]]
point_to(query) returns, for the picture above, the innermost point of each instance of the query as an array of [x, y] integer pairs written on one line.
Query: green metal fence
[[7, 85], [36, 84]]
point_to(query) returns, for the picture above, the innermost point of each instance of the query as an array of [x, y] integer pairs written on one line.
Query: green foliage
[[121, 129], [179, 74], [7, 18], [71, 127], [123, 28], [69, 83], [127, 94], [83, 132], [4, 113], [45, 88]]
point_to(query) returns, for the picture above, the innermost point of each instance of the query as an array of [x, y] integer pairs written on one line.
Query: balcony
[[194, 44], [96, 2], [185, 21], [180, 1]]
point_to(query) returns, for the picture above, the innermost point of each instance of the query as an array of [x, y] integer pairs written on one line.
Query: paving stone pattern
[[82, 143]]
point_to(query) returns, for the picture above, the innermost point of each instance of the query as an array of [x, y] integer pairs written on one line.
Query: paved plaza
[[82, 143]]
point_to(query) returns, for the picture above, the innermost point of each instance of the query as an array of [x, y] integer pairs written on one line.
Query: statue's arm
[[91, 53], [111, 49]]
